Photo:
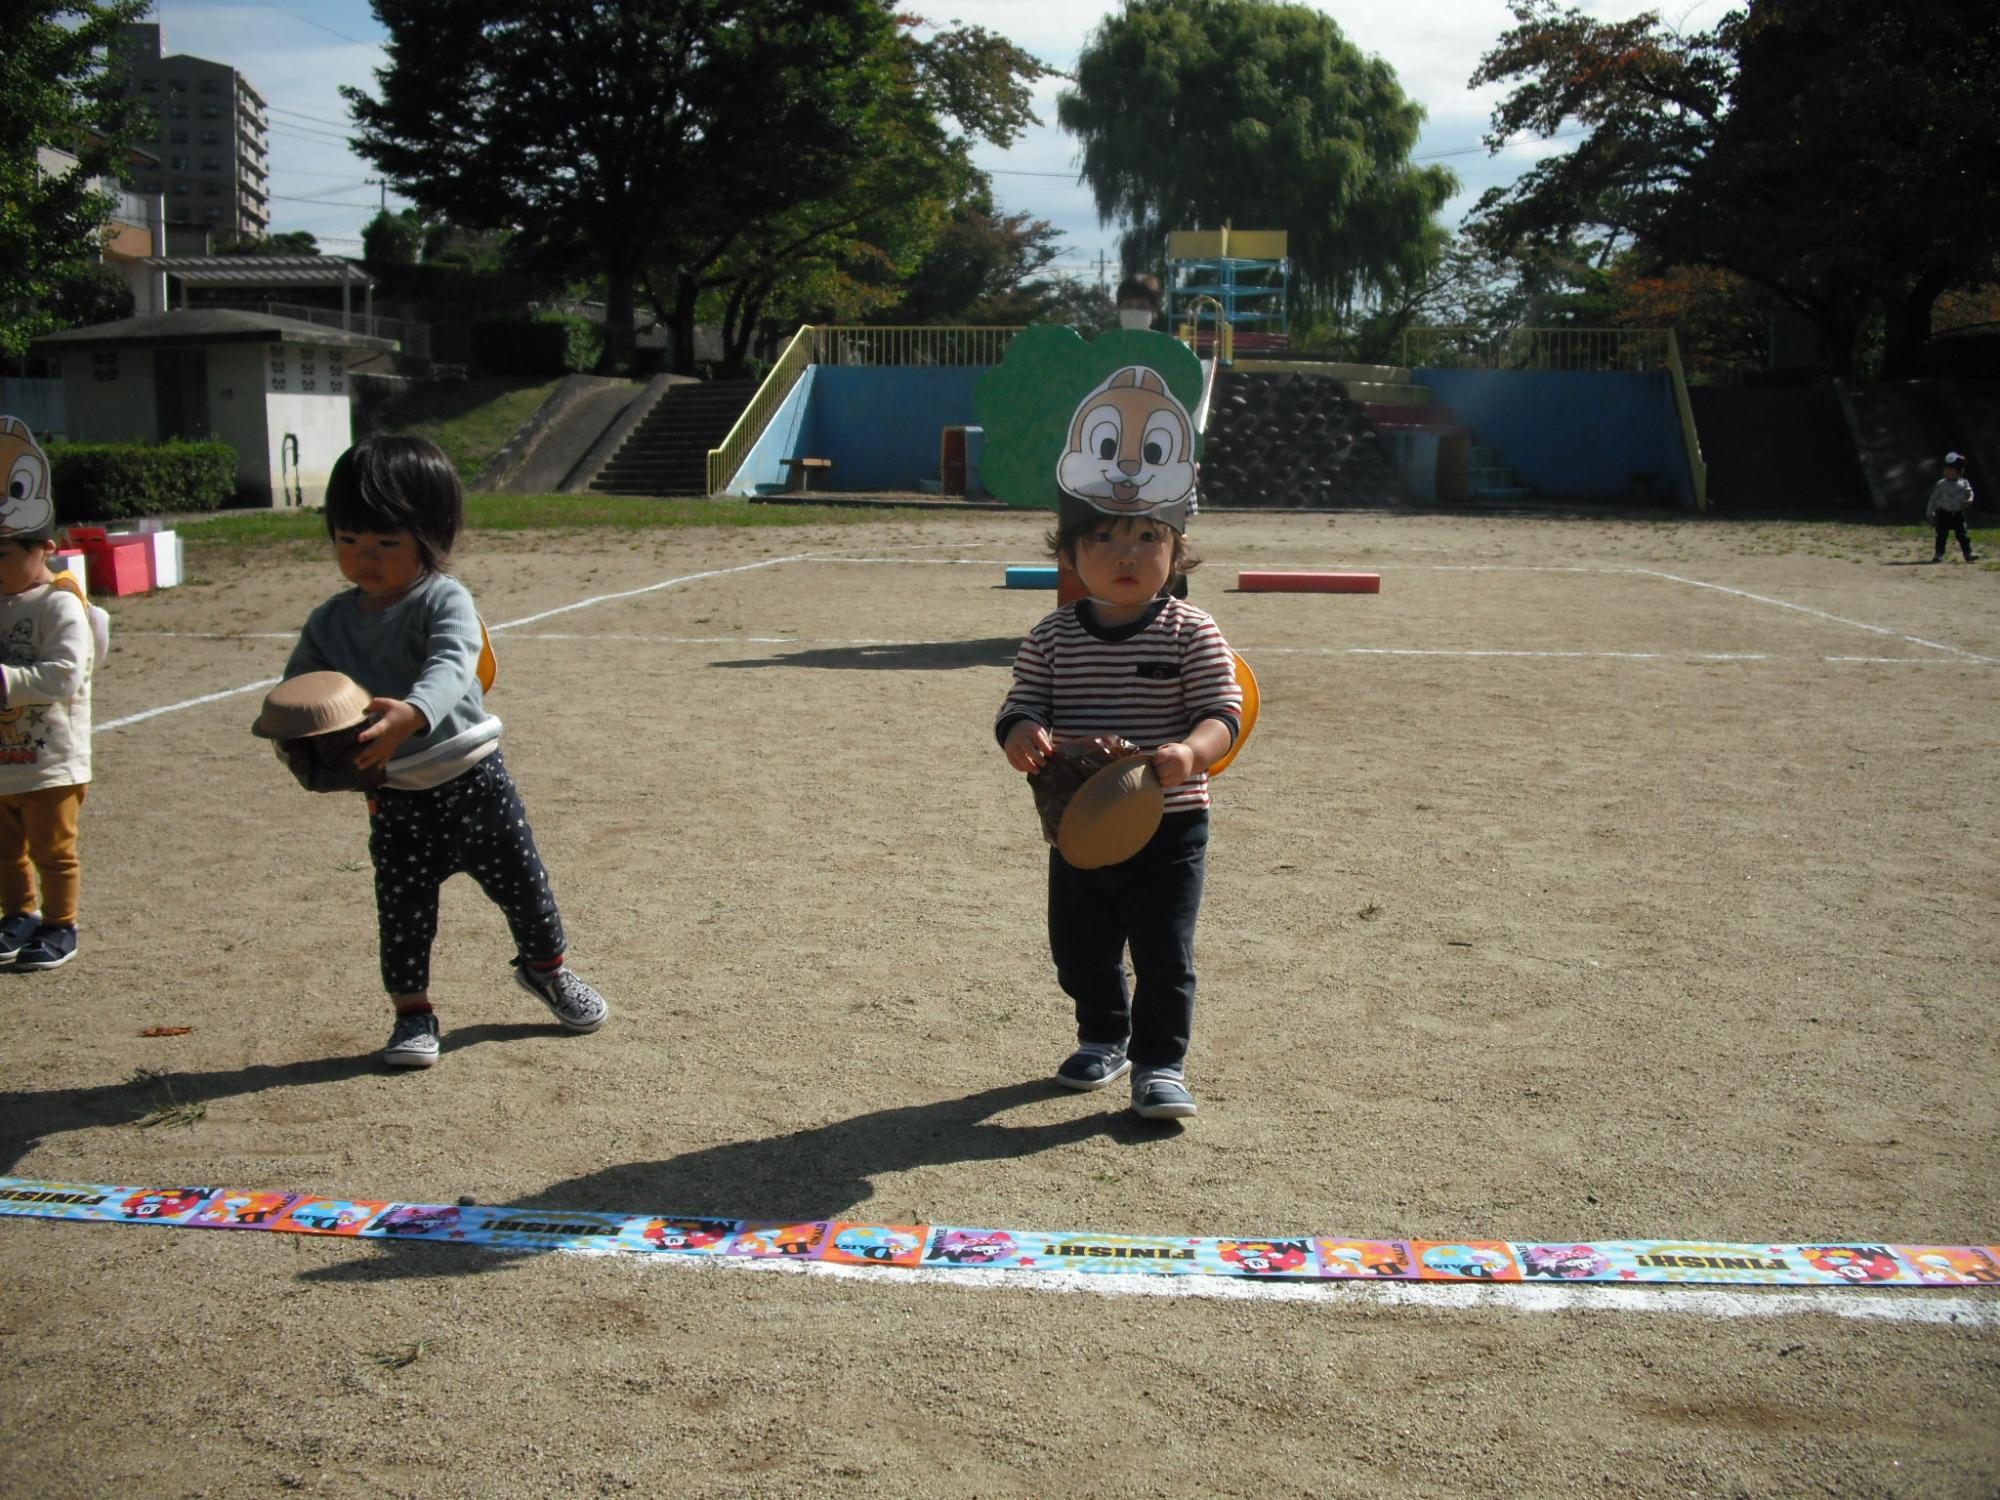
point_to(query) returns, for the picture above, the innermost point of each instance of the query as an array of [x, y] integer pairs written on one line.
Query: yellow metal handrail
[[1565, 348], [727, 458], [843, 344], [1225, 331], [1690, 439]]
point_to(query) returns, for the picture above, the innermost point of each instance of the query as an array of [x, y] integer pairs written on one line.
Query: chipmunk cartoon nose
[[1130, 465]]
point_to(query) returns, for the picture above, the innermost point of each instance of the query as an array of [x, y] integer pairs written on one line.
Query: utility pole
[[382, 183]]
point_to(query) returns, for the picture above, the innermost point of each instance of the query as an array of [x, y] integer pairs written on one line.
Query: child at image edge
[[1154, 669], [49, 652], [1950, 498], [407, 632]]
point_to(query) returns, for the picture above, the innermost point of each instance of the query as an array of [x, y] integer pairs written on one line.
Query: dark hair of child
[[1140, 288], [1062, 541], [398, 484]]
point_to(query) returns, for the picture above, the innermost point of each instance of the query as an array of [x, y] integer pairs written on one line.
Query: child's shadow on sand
[[30, 1116], [822, 1172]]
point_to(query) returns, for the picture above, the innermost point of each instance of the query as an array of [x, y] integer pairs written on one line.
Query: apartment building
[[209, 134]]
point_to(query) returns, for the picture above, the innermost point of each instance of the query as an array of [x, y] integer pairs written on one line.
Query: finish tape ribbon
[[840, 1242]]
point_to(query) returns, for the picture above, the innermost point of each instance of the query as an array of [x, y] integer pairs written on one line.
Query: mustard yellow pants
[[38, 838]]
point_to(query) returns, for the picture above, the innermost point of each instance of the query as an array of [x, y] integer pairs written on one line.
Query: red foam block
[[1310, 583]]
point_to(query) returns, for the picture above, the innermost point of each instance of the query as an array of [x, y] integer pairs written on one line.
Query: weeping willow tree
[[1194, 113]]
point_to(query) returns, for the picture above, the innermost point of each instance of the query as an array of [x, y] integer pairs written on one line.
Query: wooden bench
[[801, 470]]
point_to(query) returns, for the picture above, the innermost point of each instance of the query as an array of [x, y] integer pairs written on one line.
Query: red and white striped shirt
[[1151, 681]]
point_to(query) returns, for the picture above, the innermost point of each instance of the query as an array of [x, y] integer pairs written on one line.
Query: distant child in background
[[1950, 499], [47, 658], [1138, 301], [1134, 662], [407, 632]]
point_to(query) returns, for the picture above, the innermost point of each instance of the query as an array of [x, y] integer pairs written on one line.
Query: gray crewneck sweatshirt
[[424, 649]]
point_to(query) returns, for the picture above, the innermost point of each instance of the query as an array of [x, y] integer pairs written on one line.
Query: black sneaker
[[414, 1042], [1093, 1065], [1161, 1094], [15, 934], [574, 1004], [50, 948]]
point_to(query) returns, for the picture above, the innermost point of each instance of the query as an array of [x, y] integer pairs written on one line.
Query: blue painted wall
[[883, 427], [1577, 433]]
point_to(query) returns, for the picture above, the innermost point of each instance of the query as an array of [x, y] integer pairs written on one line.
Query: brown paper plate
[[309, 704], [1112, 815]]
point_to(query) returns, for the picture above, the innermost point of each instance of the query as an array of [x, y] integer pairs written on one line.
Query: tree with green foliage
[[1198, 113], [586, 126], [57, 91], [1836, 152], [286, 242], [393, 239], [986, 268], [96, 294], [844, 250]]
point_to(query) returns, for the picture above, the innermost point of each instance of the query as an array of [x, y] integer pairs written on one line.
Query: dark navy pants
[[1150, 903], [1946, 523], [473, 824]]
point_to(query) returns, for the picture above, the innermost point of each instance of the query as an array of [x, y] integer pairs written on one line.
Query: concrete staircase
[[667, 452], [1778, 449], [1399, 408]]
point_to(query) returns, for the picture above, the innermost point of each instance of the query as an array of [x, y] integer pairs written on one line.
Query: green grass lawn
[[470, 420]]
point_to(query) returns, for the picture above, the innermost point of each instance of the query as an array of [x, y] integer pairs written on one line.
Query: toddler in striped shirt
[[1128, 661]]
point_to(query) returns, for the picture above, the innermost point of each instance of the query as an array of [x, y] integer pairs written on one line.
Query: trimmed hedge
[[114, 481], [546, 344]]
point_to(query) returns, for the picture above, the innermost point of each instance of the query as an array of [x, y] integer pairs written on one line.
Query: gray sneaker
[[1161, 1094], [1093, 1065], [574, 1004], [414, 1042]]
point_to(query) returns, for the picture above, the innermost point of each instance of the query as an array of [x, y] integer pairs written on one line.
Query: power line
[[323, 202], [309, 21], [299, 114]]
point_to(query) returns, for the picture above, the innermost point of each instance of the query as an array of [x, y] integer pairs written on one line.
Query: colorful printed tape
[[837, 1241]]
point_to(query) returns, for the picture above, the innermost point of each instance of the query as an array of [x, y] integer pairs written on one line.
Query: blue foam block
[[1031, 578]]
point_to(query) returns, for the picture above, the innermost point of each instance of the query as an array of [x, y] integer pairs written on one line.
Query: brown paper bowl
[[1112, 815], [313, 703]]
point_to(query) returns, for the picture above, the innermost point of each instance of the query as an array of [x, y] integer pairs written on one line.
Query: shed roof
[[261, 270], [214, 325]]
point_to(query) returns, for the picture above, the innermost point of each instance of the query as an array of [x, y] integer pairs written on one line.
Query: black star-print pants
[[473, 824]]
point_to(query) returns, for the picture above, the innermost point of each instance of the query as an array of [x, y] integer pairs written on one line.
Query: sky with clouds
[[299, 52]]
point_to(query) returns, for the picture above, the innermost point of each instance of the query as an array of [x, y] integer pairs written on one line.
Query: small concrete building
[[274, 389]]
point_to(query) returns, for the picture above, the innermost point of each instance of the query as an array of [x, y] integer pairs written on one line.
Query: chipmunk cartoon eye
[[27, 477], [1104, 433], [1162, 444]]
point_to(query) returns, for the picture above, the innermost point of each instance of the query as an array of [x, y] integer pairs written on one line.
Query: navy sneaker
[[1093, 1065], [574, 1004], [1161, 1094], [15, 933], [414, 1042], [50, 948]]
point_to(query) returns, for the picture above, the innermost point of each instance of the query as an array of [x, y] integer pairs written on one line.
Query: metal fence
[[836, 345], [1479, 348]]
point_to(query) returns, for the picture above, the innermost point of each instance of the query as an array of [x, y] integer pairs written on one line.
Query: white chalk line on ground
[[644, 638], [1806, 609], [772, 562], [1974, 1314], [562, 609]]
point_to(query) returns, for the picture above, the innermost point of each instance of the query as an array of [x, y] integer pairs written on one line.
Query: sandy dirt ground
[[1593, 880]]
